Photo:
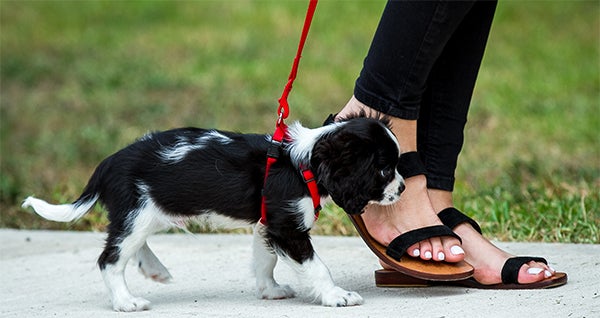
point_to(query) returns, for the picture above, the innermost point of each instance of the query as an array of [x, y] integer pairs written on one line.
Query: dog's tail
[[60, 212], [75, 210]]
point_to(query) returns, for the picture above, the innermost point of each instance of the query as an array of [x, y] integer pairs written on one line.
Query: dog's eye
[[385, 172]]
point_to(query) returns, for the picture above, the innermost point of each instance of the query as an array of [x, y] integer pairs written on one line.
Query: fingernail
[[457, 250], [416, 252], [534, 270], [441, 256], [428, 255]]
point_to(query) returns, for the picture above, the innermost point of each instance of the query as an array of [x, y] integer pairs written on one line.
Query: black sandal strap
[[400, 244], [452, 217], [410, 165], [510, 270]]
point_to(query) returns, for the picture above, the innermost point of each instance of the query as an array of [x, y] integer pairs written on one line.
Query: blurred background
[[82, 79]]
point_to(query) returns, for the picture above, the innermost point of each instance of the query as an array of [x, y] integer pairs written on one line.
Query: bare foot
[[413, 211], [485, 257]]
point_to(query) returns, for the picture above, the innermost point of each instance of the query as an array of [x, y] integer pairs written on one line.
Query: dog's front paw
[[276, 292], [338, 297], [131, 304]]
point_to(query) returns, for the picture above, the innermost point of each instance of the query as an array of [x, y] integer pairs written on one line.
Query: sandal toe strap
[[397, 248], [510, 270]]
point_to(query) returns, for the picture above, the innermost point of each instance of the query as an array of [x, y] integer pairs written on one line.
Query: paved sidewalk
[[53, 274]]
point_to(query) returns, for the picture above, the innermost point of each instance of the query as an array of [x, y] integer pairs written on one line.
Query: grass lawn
[[80, 80]]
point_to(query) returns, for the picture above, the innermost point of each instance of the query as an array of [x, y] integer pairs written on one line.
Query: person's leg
[[440, 137], [408, 41]]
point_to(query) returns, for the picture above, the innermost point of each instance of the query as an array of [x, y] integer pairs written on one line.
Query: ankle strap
[[410, 165]]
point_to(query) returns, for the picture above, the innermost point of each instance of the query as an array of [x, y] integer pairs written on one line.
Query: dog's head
[[357, 163]]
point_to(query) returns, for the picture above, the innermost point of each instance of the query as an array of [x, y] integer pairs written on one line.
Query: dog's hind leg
[[112, 263], [150, 266], [264, 260], [125, 239]]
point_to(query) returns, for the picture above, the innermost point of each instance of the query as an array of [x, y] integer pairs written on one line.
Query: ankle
[[416, 183], [440, 199]]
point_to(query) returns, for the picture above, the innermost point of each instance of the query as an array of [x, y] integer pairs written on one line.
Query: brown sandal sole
[[414, 267], [393, 279]]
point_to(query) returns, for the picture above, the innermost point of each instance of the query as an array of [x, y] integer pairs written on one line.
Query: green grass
[[80, 80]]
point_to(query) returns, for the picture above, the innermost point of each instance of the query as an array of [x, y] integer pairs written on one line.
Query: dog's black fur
[[166, 178]]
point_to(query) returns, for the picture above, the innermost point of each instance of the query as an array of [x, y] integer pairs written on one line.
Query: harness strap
[[311, 183], [273, 153]]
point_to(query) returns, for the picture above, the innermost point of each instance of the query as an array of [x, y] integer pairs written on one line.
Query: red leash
[[280, 133]]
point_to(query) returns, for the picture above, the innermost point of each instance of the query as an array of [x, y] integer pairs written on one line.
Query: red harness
[[281, 135]]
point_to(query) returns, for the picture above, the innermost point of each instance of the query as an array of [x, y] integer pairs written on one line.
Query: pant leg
[[440, 128], [410, 37]]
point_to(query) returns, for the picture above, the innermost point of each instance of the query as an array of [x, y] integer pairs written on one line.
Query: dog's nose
[[401, 187]]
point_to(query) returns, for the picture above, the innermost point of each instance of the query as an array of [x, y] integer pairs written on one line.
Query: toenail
[[547, 274], [428, 255], [552, 269], [534, 270], [457, 250], [441, 256], [416, 252]]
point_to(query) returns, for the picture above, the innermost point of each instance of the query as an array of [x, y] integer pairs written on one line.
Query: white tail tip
[[58, 212]]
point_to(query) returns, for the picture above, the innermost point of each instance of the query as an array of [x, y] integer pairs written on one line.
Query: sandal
[[451, 217], [412, 267]]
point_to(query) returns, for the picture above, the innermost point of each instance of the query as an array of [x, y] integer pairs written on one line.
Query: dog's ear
[[337, 162], [349, 198]]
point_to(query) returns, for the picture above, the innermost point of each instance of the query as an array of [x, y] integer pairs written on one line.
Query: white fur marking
[[306, 213], [393, 137], [147, 136], [151, 267], [214, 220], [304, 139], [264, 261], [391, 193], [59, 212], [214, 135], [183, 146], [315, 274], [147, 220]]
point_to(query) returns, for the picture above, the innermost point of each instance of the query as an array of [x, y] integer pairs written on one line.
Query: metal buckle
[[274, 150]]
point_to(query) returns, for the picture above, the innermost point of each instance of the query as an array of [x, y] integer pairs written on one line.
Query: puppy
[[166, 179]]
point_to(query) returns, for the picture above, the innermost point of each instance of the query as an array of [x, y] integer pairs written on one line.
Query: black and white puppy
[[168, 178]]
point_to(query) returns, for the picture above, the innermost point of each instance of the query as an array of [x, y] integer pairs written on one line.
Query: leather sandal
[[452, 217], [393, 255]]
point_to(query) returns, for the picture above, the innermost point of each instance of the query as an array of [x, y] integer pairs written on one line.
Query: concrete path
[[53, 274]]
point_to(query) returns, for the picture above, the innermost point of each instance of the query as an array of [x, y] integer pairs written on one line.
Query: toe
[[437, 249], [426, 250], [414, 250], [453, 250], [532, 272]]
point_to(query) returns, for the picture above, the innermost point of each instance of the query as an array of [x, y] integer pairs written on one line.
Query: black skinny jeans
[[422, 65]]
